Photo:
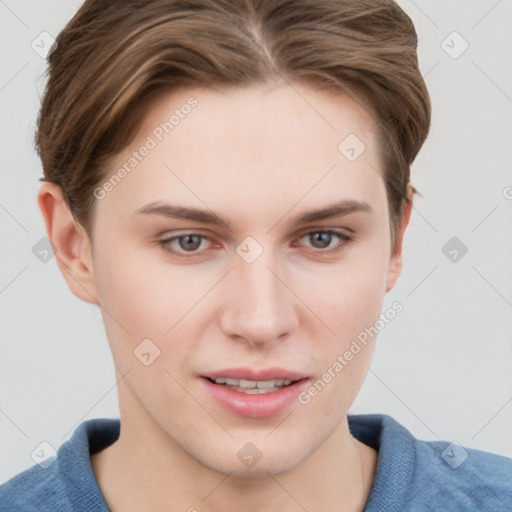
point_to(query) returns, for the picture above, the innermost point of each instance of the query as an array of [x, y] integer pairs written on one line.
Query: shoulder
[[66, 482], [413, 474], [36, 488], [447, 472]]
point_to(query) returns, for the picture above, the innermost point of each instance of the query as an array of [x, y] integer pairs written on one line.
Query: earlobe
[[70, 242], [395, 263]]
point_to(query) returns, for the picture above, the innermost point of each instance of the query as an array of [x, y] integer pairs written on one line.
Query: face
[[224, 299]]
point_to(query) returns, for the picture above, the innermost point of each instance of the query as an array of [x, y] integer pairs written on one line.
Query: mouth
[[255, 393]]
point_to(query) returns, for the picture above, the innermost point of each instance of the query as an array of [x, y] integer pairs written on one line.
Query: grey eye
[[323, 238], [189, 242]]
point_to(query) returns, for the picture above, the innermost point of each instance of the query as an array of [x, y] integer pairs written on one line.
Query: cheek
[[140, 289], [348, 300], [135, 303], [146, 297], [349, 297], [351, 314]]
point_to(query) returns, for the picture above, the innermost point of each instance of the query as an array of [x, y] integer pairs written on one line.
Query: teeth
[[256, 391], [254, 386], [266, 384]]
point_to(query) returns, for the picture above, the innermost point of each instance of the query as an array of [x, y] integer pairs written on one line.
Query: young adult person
[[229, 182]]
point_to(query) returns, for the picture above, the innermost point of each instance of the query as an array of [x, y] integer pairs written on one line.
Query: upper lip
[[263, 374]]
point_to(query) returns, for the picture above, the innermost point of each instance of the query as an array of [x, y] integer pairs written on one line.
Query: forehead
[[268, 143], [260, 116]]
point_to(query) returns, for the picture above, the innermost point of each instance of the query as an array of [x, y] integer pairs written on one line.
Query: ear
[[395, 263], [70, 242]]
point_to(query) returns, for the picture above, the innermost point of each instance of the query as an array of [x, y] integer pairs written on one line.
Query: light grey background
[[442, 367]]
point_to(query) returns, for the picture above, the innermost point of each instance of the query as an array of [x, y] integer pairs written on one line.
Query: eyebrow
[[338, 209]]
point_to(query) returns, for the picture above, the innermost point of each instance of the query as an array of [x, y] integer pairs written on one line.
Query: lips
[[254, 393]]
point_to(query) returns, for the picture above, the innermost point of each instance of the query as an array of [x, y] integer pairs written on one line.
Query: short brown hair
[[113, 55]]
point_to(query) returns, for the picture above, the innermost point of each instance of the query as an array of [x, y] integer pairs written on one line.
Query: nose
[[258, 305]]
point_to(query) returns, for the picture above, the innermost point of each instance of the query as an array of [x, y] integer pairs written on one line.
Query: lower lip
[[255, 406]]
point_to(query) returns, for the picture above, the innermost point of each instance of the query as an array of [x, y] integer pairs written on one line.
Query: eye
[[188, 242], [320, 239]]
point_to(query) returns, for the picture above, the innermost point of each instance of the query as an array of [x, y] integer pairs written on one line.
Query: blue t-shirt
[[412, 475]]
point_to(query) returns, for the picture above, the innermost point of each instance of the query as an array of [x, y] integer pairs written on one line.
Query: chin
[[260, 470], [273, 461]]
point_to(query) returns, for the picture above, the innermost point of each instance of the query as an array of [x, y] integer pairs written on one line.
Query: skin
[[258, 156]]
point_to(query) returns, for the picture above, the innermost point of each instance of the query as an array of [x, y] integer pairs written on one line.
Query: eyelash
[[346, 240]]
